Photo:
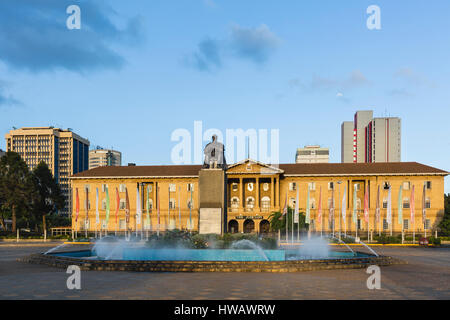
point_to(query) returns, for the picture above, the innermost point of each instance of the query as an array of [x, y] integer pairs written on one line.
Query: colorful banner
[[147, 207], [400, 206], [331, 213], [117, 204], [296, 211], [366, 203], [319, 209], [424, 210], [127, 207], [107, 206], [389, 208], [377, 209], [138, 207], [77, 204], [87, 204], [344, 206], [308, 212], [412, 206], [354, 204], [97, 214]]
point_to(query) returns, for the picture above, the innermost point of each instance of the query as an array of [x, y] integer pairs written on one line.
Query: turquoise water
[[210, 255]]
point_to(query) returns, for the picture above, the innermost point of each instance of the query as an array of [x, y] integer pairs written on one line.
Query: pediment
[[249, 166]]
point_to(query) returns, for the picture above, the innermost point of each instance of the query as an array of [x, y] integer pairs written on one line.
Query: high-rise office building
[[369, 139], [100, 157], [65, 153], [312, 154]]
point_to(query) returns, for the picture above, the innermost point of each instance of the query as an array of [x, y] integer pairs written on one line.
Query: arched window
[[265, 203], [249, 226], [235, 202], [233, 226], [250, 202]]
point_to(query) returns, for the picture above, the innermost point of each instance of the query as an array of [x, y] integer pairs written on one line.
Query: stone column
[[272, 190], [277, 192], [257, 195], [241, 190]]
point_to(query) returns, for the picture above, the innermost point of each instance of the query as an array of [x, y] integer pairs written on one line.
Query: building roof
[[140, 171], [377, 168], [294, 169]]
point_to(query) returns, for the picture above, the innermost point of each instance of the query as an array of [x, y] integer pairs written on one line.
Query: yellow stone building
[[254, 190]]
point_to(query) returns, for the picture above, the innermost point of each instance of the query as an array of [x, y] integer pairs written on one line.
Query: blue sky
[[138, 70]]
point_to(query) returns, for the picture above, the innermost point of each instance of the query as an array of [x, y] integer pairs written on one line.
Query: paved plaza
[[426, 276]]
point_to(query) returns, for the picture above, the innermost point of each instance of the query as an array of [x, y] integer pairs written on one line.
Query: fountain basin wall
[[85, 263]]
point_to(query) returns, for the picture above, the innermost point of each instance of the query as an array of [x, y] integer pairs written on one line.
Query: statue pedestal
[[212, 200]]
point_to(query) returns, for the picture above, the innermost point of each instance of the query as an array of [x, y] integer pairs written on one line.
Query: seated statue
[[214, 155]]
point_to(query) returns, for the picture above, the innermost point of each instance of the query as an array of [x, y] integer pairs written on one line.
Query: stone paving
[[426, 276]]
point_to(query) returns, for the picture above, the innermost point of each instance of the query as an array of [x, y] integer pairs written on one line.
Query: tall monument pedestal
[[212, 187]]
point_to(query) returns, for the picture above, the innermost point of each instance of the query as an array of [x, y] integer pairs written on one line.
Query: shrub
[[434, 241]]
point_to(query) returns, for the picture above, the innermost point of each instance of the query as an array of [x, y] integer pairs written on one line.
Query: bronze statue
[[214, 155]]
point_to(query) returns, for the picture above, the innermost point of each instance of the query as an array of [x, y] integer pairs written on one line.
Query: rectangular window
[[103, 187], [385, 203], [406, 185], [87, 187], [122, 204], [122, 187], [386, 186], [172, 204], [190, 187], [405, 224], [359, 224], [234, 187], [427, 224], [312, 186], [292, 186], [172, 187], [427, 203], [330, 185], [385, 224], [428, 185], [122, 224], [357, 186], [406, 203]]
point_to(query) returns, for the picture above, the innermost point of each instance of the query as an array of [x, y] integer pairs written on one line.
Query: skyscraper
[[65, 153], [369, 139], [100, 157]]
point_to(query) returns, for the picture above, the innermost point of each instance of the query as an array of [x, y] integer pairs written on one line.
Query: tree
[[16, 186], [278, 221], [445, 223], [48, 198]]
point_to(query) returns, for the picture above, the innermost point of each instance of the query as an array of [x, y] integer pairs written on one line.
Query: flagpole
[[179, 207]]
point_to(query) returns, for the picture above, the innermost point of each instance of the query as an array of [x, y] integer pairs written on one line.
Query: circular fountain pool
[[243, 256]]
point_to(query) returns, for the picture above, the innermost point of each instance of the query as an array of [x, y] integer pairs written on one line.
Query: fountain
[[184, 254]]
